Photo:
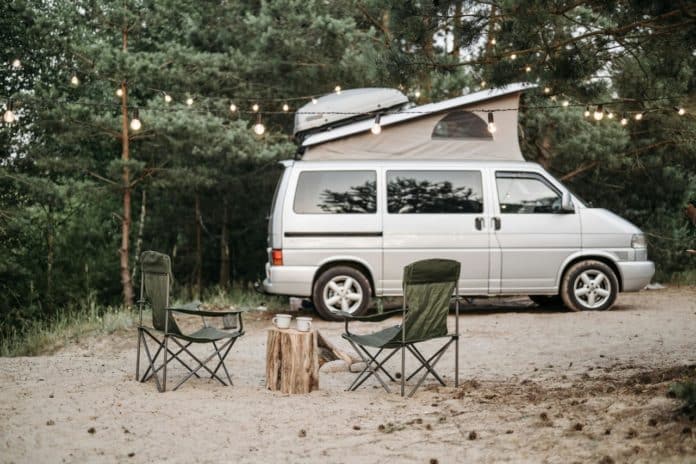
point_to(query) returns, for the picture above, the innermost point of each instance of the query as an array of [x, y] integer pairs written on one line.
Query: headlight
[[638, 241]]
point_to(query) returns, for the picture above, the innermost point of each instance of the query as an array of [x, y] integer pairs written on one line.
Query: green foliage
[[685, 391]]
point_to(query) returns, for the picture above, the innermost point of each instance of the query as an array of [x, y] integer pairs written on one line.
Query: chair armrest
[[200, 312], [371, 317]]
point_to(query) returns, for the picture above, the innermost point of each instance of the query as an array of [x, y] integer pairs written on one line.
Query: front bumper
[[635, 275], [289, 280]]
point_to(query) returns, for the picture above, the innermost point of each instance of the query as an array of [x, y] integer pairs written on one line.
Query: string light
[[528, 68], [9, 116], [233, 107], [680, 111], [513, 56], [376, 126], [259, 128], [337, 89], [135, 122], [493, 41], [587, 112], [610, 115], [16, 64], [417, 94], [74, 80], [491, 123], [598, 113], [119, 92], [483, 84], [167, 98], [547, 89], [286, 108], [189, 101], [565, 103], [624, 120], [638, 116], [255, 107]]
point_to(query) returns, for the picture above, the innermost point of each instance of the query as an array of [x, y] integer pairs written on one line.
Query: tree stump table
[[292, 364]]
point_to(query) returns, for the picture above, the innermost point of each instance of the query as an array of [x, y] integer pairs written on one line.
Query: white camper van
[[342, 230]]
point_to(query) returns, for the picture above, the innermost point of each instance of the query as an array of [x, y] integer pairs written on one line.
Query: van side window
[[336, 192], [428, 192], [521, 193], [461, 125]]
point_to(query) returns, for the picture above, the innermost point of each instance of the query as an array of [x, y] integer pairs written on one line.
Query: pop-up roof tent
[[451, 129]]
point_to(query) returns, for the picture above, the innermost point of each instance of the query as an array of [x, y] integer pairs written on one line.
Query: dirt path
[[537, 386]]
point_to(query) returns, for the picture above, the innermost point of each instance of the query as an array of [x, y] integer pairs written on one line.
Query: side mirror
[[567, 203]]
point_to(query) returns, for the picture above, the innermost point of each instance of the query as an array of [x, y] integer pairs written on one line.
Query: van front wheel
[[341, 288], [589, 285]]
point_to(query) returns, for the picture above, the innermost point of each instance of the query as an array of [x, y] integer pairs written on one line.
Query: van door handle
[[496, 223], [478, 222]]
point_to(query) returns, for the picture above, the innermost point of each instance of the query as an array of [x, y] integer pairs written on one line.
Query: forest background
[[81, 193]]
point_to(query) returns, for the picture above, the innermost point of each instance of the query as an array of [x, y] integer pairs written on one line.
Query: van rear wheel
[[341, 288], [589, 285]]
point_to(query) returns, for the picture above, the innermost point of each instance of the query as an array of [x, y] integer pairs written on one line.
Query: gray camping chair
[[155, 282], [429, 286]]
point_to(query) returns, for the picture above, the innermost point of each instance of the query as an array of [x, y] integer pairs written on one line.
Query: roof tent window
[[461, 125]]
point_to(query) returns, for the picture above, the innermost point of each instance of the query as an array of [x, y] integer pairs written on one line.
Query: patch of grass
[[242, 298], [685, 391], [45, 336]]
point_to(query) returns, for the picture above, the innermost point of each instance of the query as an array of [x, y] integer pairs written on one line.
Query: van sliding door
[[436, 214]]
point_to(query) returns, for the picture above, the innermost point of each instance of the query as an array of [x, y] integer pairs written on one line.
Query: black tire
[[546, 301], [355, 299], [589, 286]]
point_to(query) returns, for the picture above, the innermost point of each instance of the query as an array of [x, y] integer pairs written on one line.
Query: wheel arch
[[602, 256], [355, 263]]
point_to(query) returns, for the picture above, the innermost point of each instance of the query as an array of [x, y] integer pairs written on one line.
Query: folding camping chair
[[429, 286], [155, 282]]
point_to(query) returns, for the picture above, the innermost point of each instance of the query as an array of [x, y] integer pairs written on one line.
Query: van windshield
[[575, 195]]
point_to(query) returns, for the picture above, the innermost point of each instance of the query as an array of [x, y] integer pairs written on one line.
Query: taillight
[[277, 257]]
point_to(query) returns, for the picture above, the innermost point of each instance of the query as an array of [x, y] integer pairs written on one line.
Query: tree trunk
[[126, 281], [292, 364], [457, 28], [224, 250], [141, 227], [198, 270], [50, 247]]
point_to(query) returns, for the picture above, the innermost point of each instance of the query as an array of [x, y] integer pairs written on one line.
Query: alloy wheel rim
[[343, 293], [592, 288]]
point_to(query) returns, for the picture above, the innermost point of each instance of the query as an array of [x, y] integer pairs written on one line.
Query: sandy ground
[[537, 386]]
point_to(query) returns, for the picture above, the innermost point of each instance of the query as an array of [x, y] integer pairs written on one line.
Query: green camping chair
[[155, 282], [429, 286]]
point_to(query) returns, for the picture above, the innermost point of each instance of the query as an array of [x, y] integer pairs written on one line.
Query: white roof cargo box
[[451, 129], [349, 105]]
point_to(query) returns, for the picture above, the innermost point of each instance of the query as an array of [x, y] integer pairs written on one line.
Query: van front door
[[533, 234], [436, 214]]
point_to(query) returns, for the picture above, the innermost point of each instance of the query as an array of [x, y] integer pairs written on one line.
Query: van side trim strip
[[333, 234]]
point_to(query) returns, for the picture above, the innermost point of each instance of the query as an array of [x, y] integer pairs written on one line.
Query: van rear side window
[[336, 192], [434, 192]]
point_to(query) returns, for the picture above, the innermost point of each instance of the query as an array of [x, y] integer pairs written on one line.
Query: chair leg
[[137, 356], [198, 361], [425, 363], [430, 368], [403, 369], [222, 360], [456, 361], [174, 356], [368, 360], [164, 371], [152, 363], [203, 363], [378, 367]]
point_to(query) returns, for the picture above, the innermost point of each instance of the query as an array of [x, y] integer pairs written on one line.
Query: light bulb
[[255, 107], [513, 56], [16, 63], [598, 113], [286, 108], [376, 129], [681, 111], [259, 128], [638, 116], [491, 123], [624, 121], [233, 107], [493, 41], [483, 84], [610, 115], [417, 94], [337, 89], [9, 116], [119, 92], [587, 112], [167, 98], [528, 69], [75, 80], [565, 103], [189, 101], [136, 124], [547, 90], [314, 101]]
